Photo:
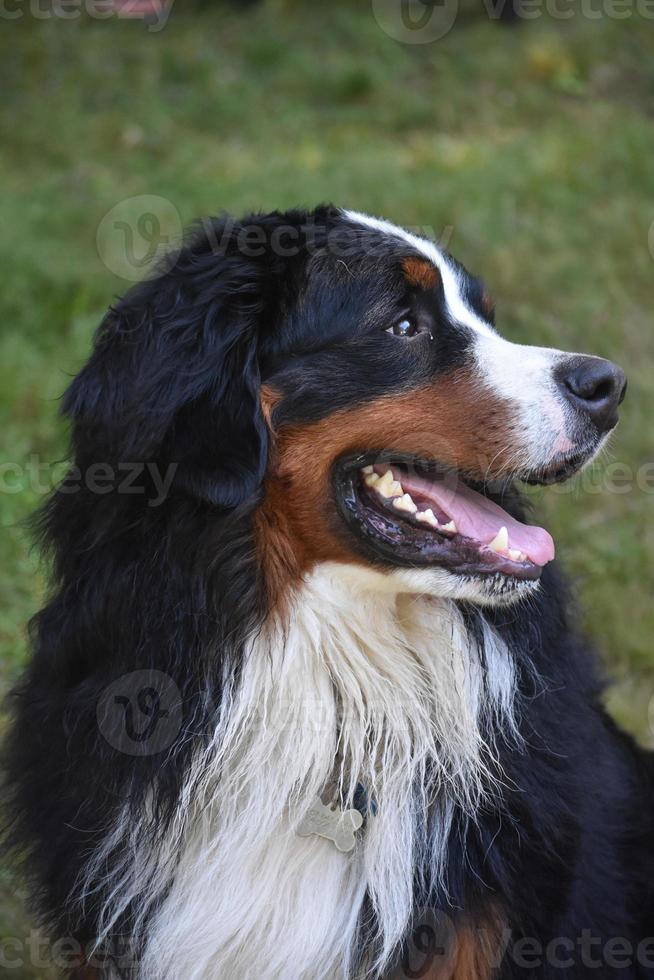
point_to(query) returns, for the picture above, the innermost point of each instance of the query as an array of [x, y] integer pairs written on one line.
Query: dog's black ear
[[174, 378]]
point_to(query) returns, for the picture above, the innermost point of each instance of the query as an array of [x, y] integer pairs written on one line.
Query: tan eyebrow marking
[[487, 304], [421, 272]]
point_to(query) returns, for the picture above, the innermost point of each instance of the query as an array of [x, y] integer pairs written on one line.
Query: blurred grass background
[[531, 146]]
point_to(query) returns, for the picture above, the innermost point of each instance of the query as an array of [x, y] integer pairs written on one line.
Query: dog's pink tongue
[[478, 517]]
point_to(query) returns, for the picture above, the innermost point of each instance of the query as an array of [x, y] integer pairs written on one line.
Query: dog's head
[[340, 382]]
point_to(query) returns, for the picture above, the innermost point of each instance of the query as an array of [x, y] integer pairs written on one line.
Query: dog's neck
[[362, 683], [403, 683]]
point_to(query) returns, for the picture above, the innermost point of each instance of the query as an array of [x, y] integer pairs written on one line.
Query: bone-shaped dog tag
[[338, 826]]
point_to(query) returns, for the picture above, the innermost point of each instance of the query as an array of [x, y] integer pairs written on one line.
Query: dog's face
[[339, 383], [401, 420]]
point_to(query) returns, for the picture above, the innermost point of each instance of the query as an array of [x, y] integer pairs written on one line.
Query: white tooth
[[367, 470], [450, 526], [388, 487], [501, 540], [371, 480], [405, 503], [427, 517], [515, 554]]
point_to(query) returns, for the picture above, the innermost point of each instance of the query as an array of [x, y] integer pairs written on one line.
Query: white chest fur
[[367, 684]]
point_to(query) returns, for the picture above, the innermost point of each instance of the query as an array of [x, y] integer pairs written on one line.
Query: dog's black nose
[[595, 387]]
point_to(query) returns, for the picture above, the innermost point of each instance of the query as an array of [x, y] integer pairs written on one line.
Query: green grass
[[533, 146]]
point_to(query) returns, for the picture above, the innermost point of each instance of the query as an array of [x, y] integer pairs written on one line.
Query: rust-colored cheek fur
[[454, 420]]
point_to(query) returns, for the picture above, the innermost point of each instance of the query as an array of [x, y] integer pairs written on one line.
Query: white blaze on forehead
[[451, 278]]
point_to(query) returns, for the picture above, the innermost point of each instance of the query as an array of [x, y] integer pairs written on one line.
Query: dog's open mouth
[[412, 512]]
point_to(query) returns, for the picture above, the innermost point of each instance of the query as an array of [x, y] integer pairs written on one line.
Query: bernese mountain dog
[[307, 700]]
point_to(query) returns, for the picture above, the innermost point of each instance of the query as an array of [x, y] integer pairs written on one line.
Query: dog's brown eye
[[403, 328]]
